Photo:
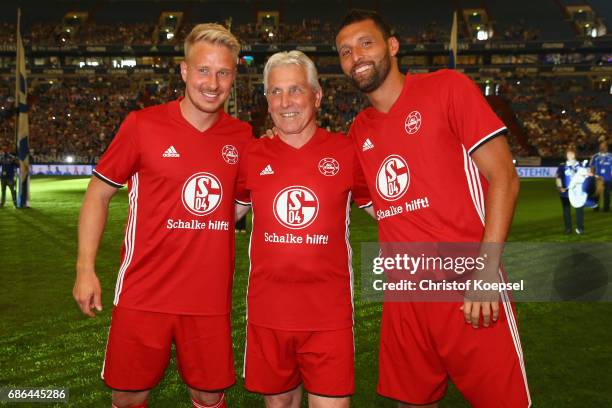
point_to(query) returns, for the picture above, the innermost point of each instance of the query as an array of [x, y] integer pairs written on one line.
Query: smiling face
[[365, 55], [208, 72], [292, 102]]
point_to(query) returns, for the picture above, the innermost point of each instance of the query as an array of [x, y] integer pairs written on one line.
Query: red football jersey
[[301, 276], [178, 253], [416, 159]]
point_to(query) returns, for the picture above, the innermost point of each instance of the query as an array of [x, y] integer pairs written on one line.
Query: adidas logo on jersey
[[171, 152], [267, 171], [367, 145]]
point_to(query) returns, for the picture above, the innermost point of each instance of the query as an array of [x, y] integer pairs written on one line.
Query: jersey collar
[[318, 137], [174, 110], [396, 108]]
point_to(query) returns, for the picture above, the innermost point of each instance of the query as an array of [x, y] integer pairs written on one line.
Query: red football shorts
[[424, 344], [278, 361], [138, 350]]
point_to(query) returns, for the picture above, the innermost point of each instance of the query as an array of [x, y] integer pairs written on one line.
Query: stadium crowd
[[556, 113], [519, 31], [308, 31], [123, 33], [78, 116]]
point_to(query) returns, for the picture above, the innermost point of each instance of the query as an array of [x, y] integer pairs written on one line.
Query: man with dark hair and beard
[[433, 139]]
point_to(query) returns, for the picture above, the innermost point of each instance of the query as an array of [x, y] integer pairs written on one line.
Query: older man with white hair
[[300, 185]]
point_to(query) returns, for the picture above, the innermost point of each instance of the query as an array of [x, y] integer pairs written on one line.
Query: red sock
[[143, 405], [219, 404]]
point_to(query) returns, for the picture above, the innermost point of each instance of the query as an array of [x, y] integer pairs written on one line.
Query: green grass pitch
[[45, 341]]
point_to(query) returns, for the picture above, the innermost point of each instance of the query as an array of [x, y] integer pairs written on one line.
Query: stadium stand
[[92, 73], [604, 9], [545, 17], [556, 113], [300, 22], [78, 116], [122, 33]]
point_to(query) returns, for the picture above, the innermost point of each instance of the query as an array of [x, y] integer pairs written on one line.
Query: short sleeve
[[472, 119], [359, 191], [243, 194], [120, 160]]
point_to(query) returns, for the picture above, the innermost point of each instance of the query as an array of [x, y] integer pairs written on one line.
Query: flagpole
[[17, 81], [452, 63]]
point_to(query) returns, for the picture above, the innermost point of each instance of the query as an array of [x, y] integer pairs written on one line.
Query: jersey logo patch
[[267, 171], [171, 152], [393, 178], [202, 193], [367, 145], [295, 207], [329, 166], [229, 154], [413, 122]]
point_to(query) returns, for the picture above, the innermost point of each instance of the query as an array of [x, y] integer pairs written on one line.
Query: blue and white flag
[[21, 124]]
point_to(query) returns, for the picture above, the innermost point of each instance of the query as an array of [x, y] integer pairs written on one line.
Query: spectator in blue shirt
[[8, 164], [601, 163]]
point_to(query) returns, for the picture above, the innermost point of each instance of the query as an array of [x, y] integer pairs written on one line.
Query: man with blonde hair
[[300, 185], [180, 161]]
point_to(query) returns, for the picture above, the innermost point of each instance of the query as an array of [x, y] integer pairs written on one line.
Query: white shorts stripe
[[516, 339], [475, 187], [105, 350], [246, 298]]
